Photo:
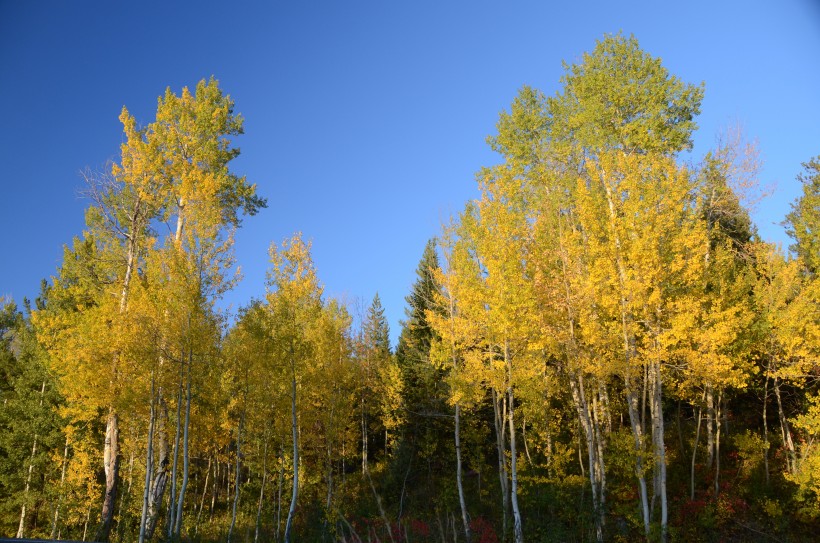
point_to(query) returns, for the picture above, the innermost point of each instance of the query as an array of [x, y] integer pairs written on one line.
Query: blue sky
[[365, 122]]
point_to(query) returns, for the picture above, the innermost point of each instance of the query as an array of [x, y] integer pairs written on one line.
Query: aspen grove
[[599, 347]]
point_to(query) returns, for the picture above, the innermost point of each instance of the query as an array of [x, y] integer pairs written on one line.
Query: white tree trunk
[[149, 459], [59, 500], [204, 492], [172, 496], [660, 447], [261, 490], [21, 527], [236, 483], [637, 435], [185, 456], [464, 516], [161, 469], [595, 477], [786, 434], [295, 433], [501, 445]]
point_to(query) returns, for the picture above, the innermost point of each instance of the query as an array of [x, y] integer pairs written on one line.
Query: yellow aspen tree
[[88, 326], [501, 302], [457, 347], [294, 304], [645, 244], [621, 116], [189, 148], [786, 302]]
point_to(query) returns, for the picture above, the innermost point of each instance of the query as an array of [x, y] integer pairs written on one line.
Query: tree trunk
[[517, 527], [635, 417], [583, 410], [85, 524], [364, 434], [185, 457], [717, 446], [280, 482], [295, 433], [215, 489], [21, 527], [766, 426], [149, 459], [786, 434], [694, 456], [111, 450], [173, 490], [710, 429], [204, 491], [501, 445], [464, 516], [236, 483], [111, 463], [261, 490], [601, 467], [60, 498], [161, 469], [637, 435], [660, 447]]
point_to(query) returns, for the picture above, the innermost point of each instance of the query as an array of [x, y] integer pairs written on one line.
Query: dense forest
[[598, 348]]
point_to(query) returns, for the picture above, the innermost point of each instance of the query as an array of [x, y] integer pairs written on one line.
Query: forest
[[600, 347]]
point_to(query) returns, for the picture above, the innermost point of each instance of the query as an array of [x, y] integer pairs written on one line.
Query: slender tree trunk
[[149, 460], [295, 432], [60, 498], [185, 456], [280, 482], [261, 490], [635, 417], [111, 450], [21, 527], [582, 408], [161, 468], [766, 426], [173, 490], [660, 447], [85, 524], [236, 483], [517, 527], [364, 434], [204, 491], [111, 463], [524, 439], [329, 427], [601, 472], [215, 489], [784, 429], [710, 426], [501, 445], [380, 507], [717, 446], [462, 502], [637, 435], [694, 455], [126, 497]]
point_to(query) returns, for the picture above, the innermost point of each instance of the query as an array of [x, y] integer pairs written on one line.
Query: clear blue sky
[[365, 121]]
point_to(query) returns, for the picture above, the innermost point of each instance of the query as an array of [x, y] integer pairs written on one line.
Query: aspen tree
[[88, 323], [617, 116], [294, 303], [456, 346], [498, 298]]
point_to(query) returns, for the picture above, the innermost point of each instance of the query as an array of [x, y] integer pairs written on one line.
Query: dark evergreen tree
[[30, 429], [426, 436]]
